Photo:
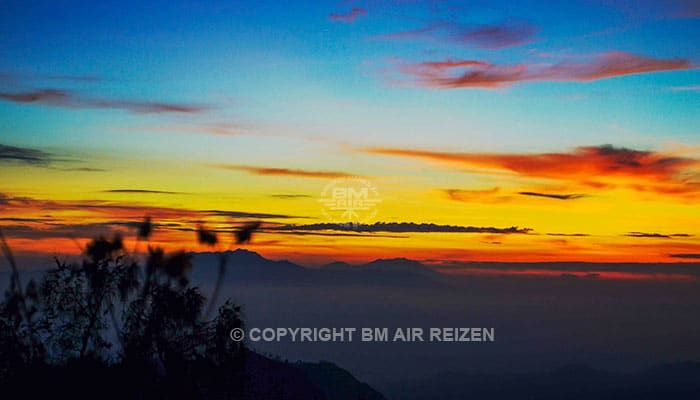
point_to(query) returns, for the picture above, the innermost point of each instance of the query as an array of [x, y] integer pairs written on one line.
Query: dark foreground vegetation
[[126, 325]]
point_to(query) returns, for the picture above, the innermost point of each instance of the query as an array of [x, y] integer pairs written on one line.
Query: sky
[[480, 130]]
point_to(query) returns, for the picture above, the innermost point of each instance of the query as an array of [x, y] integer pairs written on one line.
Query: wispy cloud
[[332, 233], [139, 191], [476, 195], [67, 99], [37, 229], [595, 166], [192, 127], [283, 171], [349, 16], [290, 196], [63, 230], [505, 34], [40, 158], [24, 155], [14, 204], [658, 235], [494, 36], [7, 199], [402, 227], [452, 74], [688, 255], [572, 271], [14, 219], [495, 195], [572, 196], [81, 169]]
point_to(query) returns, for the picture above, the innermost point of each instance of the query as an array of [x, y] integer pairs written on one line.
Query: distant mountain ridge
[[245, 264], [248, 265], [383, 264]]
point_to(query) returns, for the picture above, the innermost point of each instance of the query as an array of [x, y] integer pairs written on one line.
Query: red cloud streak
[[452, 74], [641, 170]]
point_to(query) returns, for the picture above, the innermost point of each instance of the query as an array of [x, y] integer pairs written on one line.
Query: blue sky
[[284, 64]]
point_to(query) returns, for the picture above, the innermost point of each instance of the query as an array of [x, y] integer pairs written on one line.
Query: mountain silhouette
[[337, 383], [250, 266], [274, 379], [400, 264]]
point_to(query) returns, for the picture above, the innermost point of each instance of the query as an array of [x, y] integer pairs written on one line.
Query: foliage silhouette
[[121, 315]]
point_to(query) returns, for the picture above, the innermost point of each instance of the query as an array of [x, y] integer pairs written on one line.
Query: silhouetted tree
[[79, 312]]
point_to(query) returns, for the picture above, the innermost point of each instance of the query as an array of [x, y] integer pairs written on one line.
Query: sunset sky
[[526, 131]]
